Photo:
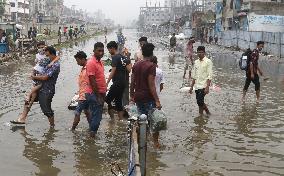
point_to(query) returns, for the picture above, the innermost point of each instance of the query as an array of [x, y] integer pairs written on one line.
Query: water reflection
[[245, 118], [87, 156], [96, 156], [40, 152]]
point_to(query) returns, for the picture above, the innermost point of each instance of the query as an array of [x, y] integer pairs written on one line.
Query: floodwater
[[238, 139]]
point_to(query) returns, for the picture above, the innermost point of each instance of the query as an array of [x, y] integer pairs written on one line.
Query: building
[[261, 16], [38, 10], [6, 11], [154, 15], [250, 15], [99, 17], [54, 10], [176, 3], [20, 10], [211, 5]]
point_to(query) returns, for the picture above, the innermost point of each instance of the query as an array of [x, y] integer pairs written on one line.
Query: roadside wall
[[53, 27], [274, 41]]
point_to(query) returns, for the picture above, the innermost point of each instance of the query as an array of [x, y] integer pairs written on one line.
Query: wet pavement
[[238, 139]]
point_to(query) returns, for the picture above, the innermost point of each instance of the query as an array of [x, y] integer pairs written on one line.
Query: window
[[13, 4]]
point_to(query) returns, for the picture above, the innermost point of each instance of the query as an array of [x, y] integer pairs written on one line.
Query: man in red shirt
[[96, 90], [143, 89], [83, 81]]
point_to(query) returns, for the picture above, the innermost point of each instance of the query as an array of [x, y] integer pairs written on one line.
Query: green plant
[[2, 7]]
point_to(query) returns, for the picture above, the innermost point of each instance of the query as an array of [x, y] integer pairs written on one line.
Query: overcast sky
[[121, 11]]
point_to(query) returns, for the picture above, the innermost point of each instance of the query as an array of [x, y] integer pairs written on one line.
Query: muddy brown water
[[238, 139]]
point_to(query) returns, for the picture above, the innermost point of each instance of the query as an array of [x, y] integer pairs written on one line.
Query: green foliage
[[2, 7]]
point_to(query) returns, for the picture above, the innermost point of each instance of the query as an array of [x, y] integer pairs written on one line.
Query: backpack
[[245, 59]]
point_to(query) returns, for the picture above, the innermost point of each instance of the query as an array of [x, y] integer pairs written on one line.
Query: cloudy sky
[[121, 11]]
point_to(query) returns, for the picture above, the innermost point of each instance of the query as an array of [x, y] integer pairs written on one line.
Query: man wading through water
[[120, 69], [138, 55], [143, 89], [47, 90], [83, 104], [252, 71], [96, 90], [189, 57], [202, 75]]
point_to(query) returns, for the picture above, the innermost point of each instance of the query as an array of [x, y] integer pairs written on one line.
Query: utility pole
[[16, 6]]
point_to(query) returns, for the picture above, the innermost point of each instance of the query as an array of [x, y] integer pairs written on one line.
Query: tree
[[2, 7]]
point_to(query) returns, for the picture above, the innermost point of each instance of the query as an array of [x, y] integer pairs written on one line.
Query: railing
[[137, 142]]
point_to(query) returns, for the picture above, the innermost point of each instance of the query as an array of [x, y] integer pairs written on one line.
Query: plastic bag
[[132, 110], [158, 120]]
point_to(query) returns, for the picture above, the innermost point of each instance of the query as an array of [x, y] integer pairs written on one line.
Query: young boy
[[83, 81], [42, 64], [159, 79], [202, 76]]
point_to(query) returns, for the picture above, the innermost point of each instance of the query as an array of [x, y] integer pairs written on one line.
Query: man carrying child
[[44, 86]]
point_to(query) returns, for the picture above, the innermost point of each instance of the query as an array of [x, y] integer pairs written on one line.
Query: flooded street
[[238, 139]]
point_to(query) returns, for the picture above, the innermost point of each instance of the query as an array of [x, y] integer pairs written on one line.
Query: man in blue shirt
[[47, 90]]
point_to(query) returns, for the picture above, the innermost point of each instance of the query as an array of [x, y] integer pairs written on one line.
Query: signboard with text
[[268, 23]]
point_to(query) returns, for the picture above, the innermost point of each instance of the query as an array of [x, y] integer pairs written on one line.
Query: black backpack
[[245, 59]]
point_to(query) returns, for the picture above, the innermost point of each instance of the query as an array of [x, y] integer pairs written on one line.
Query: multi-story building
[[176, 3], [211, 5], [99, 16], [20, 10], [6, 11], [250, 15], [155, 15], [260, 15], [38, 10], [54, 10]]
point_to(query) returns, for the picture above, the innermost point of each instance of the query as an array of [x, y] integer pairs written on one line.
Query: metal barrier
[[137, 142], [143, 123]]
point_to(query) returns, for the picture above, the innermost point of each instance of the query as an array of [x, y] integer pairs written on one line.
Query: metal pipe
[[143, 143]]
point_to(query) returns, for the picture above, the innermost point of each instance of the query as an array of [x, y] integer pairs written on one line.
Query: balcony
[[19, 10], [27, 2]]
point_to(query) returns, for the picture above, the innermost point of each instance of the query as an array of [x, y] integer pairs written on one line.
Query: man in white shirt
[[159, 79], [202, 75]]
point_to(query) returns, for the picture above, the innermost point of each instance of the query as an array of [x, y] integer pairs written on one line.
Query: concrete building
[[154, 15], [54, 10], [261, 16], [38, 10], [250, 15], [99, 16], [20, 10], [176, 3], [7, 11], [211, 5]]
